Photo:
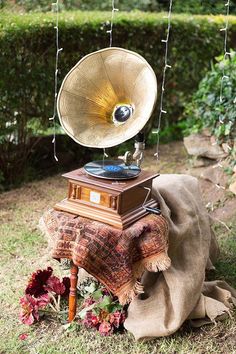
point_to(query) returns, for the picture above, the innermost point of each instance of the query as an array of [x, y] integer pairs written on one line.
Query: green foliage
[[97, 299], [45, 5], [203, 7], [206, 109], [27, 64], [179, 6]]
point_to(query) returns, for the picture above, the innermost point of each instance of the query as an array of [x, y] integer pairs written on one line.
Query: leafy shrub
[[27, 46], [45, 5], [206, 109], [179, 6]]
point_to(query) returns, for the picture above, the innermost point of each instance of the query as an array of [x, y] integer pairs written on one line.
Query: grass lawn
[[23, 250]]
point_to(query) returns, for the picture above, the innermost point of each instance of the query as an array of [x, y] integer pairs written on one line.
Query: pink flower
[[23, 336], [90, 320], [54, 285], [30, 307], [37, 281], [87, 321], [87, 302], [43, 301], [94, 320], [105, 329], [117, 318], [29, 310]]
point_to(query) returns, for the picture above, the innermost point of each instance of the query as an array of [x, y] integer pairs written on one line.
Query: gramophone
[[106, 99]]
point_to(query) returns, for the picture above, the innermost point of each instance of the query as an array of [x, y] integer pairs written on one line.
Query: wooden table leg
[[73, 291]]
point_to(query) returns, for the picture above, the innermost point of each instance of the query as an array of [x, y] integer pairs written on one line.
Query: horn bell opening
[[107, 97]]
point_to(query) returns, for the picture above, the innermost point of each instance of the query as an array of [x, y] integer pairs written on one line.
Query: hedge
[[215, 7], [27, 46]]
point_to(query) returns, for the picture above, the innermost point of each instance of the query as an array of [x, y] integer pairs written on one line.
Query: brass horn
[[107, 97]]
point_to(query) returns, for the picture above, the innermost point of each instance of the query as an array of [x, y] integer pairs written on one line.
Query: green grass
[[23, 250], [226, 264]]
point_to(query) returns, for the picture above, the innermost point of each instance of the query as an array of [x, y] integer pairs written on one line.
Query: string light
[[110, 31], [55, 7], [104, 152], [105, 155], [114, 9], [166, 66], [223, 78], [226, 52]]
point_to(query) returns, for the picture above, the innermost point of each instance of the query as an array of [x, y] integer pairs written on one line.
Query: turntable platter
[[111, 169]]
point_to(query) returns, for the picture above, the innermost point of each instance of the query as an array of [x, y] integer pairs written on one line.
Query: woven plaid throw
[[116, 258]]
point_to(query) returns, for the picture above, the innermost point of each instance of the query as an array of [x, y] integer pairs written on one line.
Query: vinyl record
[[112, 169]]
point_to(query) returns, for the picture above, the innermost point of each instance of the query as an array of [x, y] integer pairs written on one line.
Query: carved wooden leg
[[73, 291]]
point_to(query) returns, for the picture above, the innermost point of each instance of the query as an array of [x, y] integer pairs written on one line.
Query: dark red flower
[[105, 291], [38, 279], [105, 329], [55, 285], [66, 282]]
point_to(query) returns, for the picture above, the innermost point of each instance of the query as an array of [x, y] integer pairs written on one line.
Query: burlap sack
[[180, 292]]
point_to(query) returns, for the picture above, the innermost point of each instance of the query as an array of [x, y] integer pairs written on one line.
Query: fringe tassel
[[129, 291], [138, 288], [154, 263], [134, 287], [157, 263]]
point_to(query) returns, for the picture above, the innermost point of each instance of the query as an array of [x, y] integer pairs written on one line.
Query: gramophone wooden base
[[117, 203], [106, 216]]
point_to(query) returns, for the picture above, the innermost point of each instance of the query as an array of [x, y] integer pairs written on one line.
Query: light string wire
[[55, 7], [110, 31], [166, 66], [226, 52], [224, 77]]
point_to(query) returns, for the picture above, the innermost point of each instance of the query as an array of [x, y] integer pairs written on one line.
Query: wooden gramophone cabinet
[[118, 203]]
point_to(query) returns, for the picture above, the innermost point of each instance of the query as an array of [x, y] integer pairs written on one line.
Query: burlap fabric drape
[[180, 292]]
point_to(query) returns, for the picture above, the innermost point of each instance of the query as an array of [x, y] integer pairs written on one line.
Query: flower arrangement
[[100, 309], [43, 289]]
